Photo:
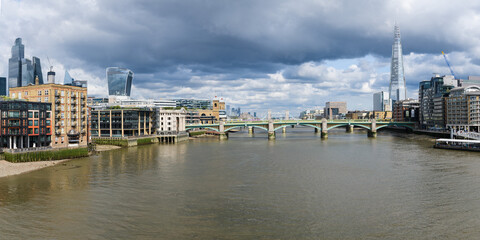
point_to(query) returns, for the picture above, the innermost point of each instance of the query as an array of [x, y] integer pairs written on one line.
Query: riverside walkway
[[222, 128]]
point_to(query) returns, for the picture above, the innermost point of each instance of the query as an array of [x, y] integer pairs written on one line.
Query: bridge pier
[[349, 128], [221, 129], [271, 130], [324, 129], [223, 136], [250, 130], [324, 135], [373, 129], [271, 135]]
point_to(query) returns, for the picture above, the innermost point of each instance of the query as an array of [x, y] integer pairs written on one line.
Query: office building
[[407, 110], [119, 81], [37, 70], [25, 124], [431, 96], [3, 86], [398, 88], [463, 109], [67, 79], [69, 105], [170, 121], [122, 122], [335, 110], [193, 103], [15, 64], [22, 71], [381, 102]]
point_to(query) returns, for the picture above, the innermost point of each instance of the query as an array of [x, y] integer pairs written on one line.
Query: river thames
[[395, 186]]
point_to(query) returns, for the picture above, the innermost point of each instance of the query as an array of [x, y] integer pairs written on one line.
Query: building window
[[39, 99], [62, 94], [46, 99], [36, 123], [13, 95], [19, 95], [46, 92], [40, 93], [26, 93], [36, 114], [36, 130]]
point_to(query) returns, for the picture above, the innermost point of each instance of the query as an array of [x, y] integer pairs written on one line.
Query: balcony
[[74, 96], [74, 110], [58, 124], [74, 124], [74, 103], [58, 132]]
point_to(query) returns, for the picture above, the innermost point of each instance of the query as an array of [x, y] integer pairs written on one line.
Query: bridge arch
[[396, 125], [190, 128], [346, 124], [255, 126], [282, 126], [310, 125]]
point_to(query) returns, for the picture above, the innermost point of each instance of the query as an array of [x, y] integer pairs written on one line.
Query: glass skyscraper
[[398, 89], [15, 64], [119, 81], [3, 86], [22, 71], [27, 72], [37, 70]]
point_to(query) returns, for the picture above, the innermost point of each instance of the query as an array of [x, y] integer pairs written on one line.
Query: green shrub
[[121, 143], [193, 134], [46, 155]]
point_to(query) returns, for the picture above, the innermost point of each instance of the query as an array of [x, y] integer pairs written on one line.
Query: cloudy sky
[[258, 55]]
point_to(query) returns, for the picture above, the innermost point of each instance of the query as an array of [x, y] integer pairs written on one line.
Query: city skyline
[[255, 54]]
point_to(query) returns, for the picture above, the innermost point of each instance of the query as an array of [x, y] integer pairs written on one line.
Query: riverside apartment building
[[69, 109]]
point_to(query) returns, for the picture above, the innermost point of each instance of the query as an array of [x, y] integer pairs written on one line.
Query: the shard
[[398, 89]]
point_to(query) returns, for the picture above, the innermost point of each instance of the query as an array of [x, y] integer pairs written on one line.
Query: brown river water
[[298, 186]]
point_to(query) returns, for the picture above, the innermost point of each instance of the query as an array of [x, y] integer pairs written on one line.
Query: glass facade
[[67, 80], [119, 81], [22, 71], [27, 72], [37, 70], [3, 86], [14, 64], [398, 89]]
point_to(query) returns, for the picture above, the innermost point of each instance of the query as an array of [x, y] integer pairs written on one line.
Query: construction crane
[[448, 64]]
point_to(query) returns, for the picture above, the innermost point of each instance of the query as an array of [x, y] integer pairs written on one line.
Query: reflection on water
[[295, 187]]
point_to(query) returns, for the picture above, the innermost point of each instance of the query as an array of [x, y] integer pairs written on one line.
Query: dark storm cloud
[[287, 49]]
